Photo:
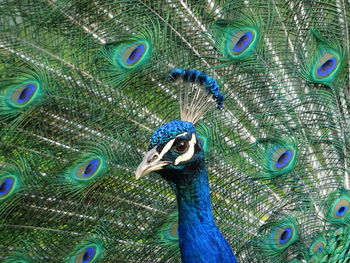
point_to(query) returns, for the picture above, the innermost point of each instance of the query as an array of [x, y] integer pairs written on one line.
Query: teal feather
[[168, 235], [325, 60], [318, 246], [18, 258], [239, 38], [21, 91], [275, 157], [88, 251], [84, 85], [276, 237]]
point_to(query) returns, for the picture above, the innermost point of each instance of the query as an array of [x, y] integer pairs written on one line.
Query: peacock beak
[[150, 163]]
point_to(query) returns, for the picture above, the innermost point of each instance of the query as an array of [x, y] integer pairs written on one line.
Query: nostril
[[153, 158]]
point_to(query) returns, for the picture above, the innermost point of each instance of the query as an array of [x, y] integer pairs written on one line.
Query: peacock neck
[[193, 197], [200, 239]]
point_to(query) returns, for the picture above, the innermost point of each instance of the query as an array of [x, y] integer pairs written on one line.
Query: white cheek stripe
[[168, 146], [189, 154], [166, 149]]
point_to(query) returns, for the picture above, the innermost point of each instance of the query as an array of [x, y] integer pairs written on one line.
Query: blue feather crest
[[195, 76], [197, 94]]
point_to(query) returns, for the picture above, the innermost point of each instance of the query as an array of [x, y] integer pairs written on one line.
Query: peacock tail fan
[[84, 84]]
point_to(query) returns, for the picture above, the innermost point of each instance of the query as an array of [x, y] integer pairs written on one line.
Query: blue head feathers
[[169, 131]]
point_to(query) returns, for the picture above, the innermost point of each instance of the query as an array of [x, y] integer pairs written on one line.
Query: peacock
[[186, 131]]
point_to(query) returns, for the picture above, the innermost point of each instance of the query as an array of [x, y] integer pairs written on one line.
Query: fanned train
[[174, 131]]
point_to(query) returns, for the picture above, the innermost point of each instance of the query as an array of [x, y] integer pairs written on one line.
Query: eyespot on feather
[[89, 169], [276, 236], [23, 95], [87, 255], [341, 208], [337, 207], [326, 66], [283, 236], [318, 246], [241, 43], [237, 39], [282, 157], [8, 185], [168, 233], [133, 54]]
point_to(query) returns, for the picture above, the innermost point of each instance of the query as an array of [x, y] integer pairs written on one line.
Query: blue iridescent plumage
[[89, 254], [199, 236], [6, 186], [169, 131], [183, 164]]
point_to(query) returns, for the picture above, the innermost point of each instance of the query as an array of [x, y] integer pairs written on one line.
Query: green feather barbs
[[337, 208], [89, 167], [18, 257], [22, 92], [236, 39], [318, 246], [131, 54], [276, 237], [87, 253], [323, 61], [8, 185], [274, 157]]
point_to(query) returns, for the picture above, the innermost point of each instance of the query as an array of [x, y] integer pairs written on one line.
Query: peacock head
[[173, 151]]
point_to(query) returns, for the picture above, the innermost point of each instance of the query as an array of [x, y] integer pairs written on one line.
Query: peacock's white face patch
[[180, 147], [188, 154]]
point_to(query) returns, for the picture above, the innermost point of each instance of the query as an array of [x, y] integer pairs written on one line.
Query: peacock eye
[[181, 146]]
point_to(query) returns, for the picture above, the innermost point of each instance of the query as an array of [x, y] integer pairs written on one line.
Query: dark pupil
[[181, 146], [134, 53], [341, 210], [282, 158], [327, 65], [86, 256], [242, 41], [284, 235], [24, 94], [3, 187], [88, 169]]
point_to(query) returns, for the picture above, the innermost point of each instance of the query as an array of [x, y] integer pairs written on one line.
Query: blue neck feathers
[[200, 239]]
